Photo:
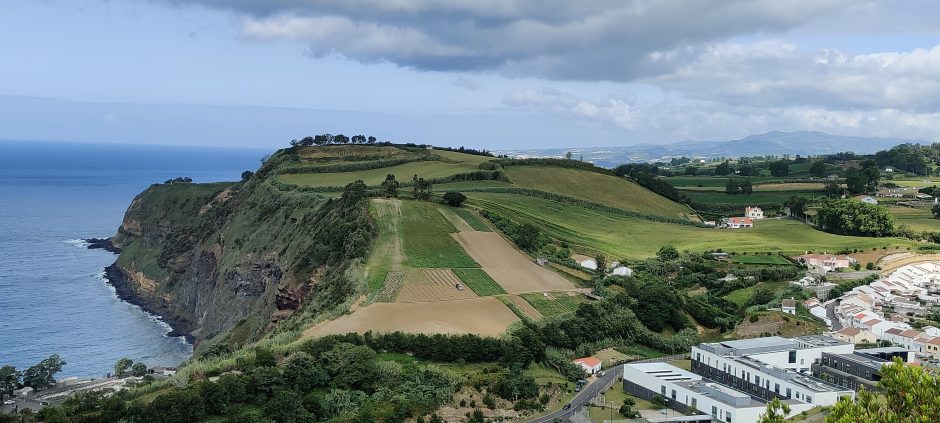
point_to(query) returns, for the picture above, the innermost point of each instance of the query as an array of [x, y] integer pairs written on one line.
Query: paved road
[[831, 314], [583, 397]]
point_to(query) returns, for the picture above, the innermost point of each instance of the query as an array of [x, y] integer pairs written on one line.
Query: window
[[809, 399], [728, 416], [777, 388], [694, 402], [789, 394], [757, 380], [673, 394], [801, 361], [698, 356], [662, 390], [792, 357], [714, 411]]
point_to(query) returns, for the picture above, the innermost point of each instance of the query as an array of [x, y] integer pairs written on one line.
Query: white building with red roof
[[590, 365]]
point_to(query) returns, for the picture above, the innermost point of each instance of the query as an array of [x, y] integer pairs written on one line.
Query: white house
[[737, 222], [622, 271], [754, 212], [590, 365], [788, 305], [589, 264]]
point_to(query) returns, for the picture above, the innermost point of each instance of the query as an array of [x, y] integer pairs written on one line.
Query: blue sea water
[[53, 298]]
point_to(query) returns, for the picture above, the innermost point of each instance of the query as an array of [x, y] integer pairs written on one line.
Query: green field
[[552, 304], [596, 187], [918, 219], [373, 177], [426, 238], [709, 181], [741, 296], [479, 282], [472, 219], [457, 186], [386, 253], [631, 238], [760, 259]]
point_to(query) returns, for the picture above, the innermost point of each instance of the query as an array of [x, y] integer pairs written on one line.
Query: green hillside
[[629, 237], [592, 186]]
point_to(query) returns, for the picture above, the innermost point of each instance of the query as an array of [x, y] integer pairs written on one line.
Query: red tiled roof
[[849, 331], [589, 361], [894, 331]]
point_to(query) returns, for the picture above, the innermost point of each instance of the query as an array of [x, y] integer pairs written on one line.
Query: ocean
[[53, 298]]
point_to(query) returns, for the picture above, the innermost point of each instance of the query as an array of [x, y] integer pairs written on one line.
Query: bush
[[454, 199]]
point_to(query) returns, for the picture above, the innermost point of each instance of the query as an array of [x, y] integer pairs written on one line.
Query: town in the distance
[[357, 279]]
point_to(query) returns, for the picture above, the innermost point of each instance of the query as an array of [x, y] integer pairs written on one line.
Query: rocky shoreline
[[179, 326], [102, 244]]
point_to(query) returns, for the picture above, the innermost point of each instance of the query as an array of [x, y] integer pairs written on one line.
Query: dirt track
[[514, 271], [484, 316]]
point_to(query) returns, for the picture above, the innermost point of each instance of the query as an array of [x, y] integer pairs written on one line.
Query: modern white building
[[589, 264], [684, 391], [772, 367], [622, 271]]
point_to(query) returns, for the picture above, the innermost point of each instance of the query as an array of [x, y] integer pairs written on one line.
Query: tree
[[527, 236], [797, 206], [626, 409], [390, 186], [421, 190], [761, 296], [601, 261], [818, 169], [780, 168], [731, 187], [691, 170], [658, 307], [936, 211], [454, 199], [371, 140], [9, 380], [658, 401], [724, 169], [852, 217], [776, 412], [122, 367], [139, 369], [568, 155], [265, 358], [668, 253], [832, 190], [747, 188], [246, 175], [856, 182], [42, 375], [747, 170], [910, 394], [341, 139]]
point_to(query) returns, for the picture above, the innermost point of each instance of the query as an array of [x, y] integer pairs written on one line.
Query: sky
[[496, 74]]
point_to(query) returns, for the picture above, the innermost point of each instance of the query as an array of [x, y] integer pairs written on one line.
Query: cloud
[[778, 74], [615, 40], [468, 83], [697, 120]]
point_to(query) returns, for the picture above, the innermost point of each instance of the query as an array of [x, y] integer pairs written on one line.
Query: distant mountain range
[[805, 143]]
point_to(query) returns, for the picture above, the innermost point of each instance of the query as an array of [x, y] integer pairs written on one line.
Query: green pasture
[[373, 177], [479, 282], [426, 238]]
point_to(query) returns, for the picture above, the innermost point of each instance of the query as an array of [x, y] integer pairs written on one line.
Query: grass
[[789, 186], [741, 296], [457, 186], [384, 257], [552, 304], [427, 240], [472, 219], [479, 282], [640, 351], [631, 238], [591, 186], [374, 177], [760, 259], [918, 219]]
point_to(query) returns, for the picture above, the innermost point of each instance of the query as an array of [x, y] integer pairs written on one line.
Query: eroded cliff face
[[210, 258]]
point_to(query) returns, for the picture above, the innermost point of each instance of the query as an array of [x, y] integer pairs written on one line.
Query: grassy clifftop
[[225, 262]]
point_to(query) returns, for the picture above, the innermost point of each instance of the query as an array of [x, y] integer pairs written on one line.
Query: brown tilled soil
[[483, 316], [432, 285], [525, 307], [513, 270], [894, 265]]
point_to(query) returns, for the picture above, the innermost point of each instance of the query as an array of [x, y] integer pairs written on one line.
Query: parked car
[[566, 407], [9, 402]]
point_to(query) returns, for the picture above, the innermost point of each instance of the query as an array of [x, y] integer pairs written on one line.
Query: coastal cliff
[[230, 262]]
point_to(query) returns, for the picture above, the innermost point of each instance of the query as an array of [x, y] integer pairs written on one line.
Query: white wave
[[80, 243]]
